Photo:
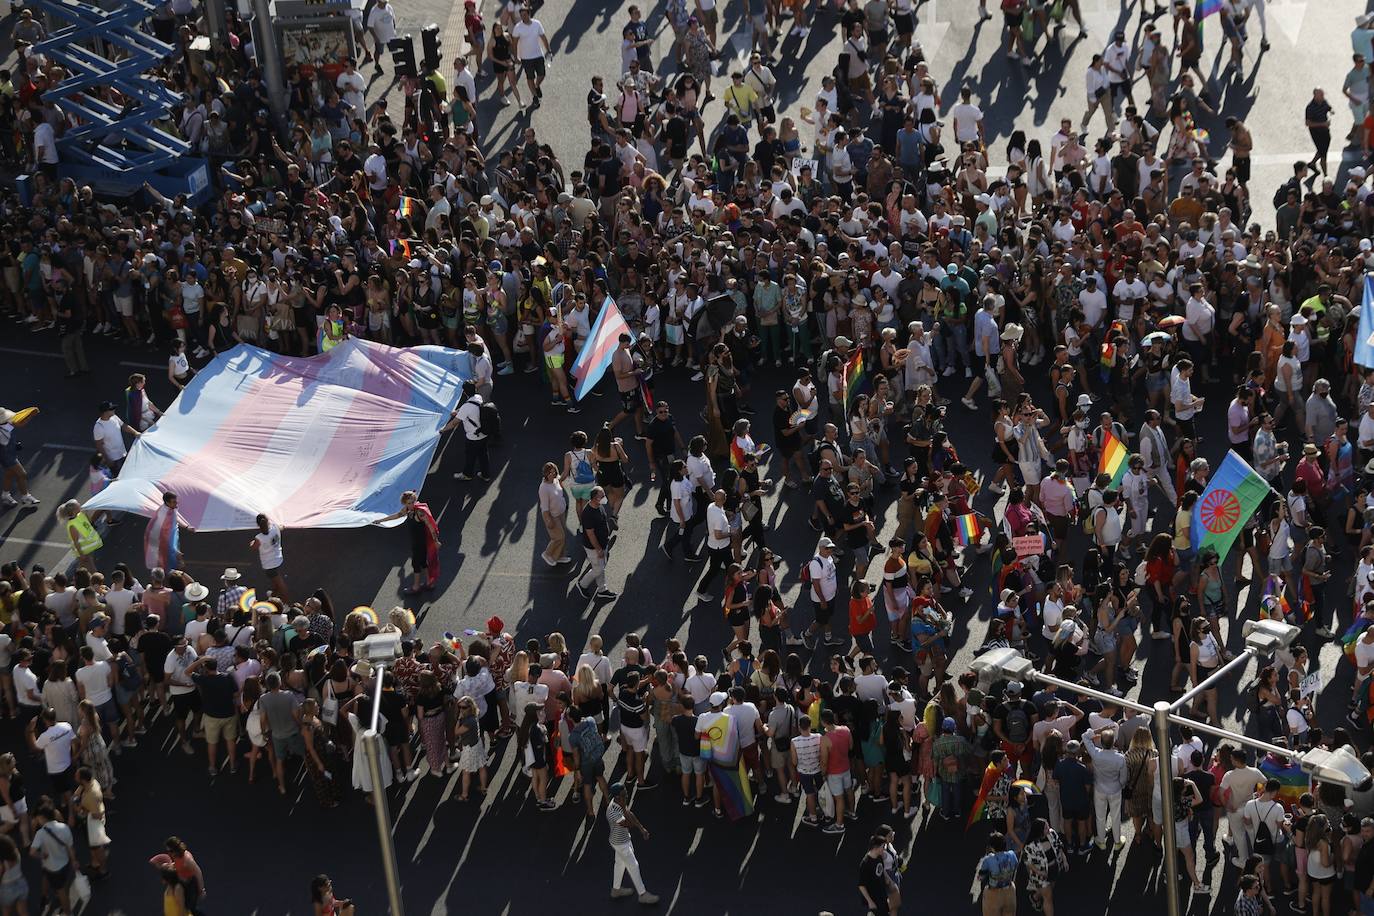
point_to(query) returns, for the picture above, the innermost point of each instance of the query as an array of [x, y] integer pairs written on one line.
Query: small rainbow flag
[[408, 206], [967, 531], [401, 247], [1113, 458], [856, 374], [1107, 358], [1293, 781]]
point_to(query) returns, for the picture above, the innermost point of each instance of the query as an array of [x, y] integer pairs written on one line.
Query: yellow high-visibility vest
[[83, 535]]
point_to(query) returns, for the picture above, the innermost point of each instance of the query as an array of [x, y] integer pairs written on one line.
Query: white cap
[[718, 698]]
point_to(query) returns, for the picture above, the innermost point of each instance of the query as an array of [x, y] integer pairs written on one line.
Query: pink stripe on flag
[[355, 446], [196, 477]]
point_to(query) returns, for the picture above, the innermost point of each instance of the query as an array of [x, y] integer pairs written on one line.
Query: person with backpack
[[1013, 724], [469, 417], [578, 471], [820, 576], [1265, 825]]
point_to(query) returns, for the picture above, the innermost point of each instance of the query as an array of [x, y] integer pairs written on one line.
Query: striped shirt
[[808, 748], [615, 816]]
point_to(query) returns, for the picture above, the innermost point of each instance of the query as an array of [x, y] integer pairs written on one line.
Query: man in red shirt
[[835, 743]]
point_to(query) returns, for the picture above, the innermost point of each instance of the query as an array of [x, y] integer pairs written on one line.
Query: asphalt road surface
[[502, 856]]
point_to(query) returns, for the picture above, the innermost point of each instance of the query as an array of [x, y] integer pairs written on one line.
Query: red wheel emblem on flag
[[1220, 511]]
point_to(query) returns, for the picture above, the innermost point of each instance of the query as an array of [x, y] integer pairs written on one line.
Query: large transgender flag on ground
[[321, 442], [602, 341]]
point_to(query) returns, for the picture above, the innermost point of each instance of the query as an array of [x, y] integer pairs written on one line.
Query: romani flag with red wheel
[[1231, 497]]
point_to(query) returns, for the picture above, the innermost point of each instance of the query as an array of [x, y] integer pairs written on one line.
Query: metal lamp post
[[1262, 638], [379, 650]]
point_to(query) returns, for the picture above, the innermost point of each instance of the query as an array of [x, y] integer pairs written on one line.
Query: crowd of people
[[1079, 297]]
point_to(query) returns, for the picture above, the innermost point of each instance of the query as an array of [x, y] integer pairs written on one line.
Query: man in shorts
[[693, 765], [53, 847], [185, 699], [627, 384], [15, 477], [805, 754], [281, 721], [529, 37], [217, 689], [54, 740]]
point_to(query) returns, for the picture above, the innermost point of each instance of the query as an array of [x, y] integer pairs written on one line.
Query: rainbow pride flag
[[1107, 357], [1205, 8], [402, 247], [736, 793], [980, 802], [856, 374], [1350, 636], [1113, 458], [967, 531], [408, 206], [1293, 780]]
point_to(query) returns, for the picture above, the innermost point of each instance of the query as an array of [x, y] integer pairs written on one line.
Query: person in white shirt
[[469, 417], [531, 46], [45, 148], [109, 436], [351, 85], [381, 22], [1117, 58], [824, 585], [682, 511], [1097, 83], [718, 549], [95, 681], [968, 118], [270, 555], [55, 740], [1181, 396]]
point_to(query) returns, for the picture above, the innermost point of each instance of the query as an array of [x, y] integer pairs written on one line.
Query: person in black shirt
[[684, 726], [70, 323], [596, 537], [662, 440], [789, 439], [829, 499], [1318, 118], [874, 884]]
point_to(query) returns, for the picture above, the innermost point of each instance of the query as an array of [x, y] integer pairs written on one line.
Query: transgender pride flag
[[326, 441], [595, 358], [1205, 8]]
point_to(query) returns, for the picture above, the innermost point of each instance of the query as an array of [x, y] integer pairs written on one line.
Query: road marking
[[32, 543], [144, 365], [18, 352]]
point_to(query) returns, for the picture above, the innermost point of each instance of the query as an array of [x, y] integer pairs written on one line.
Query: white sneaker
[[8, 500], [704, 598], [28, 499], [31, 319], [98, 329], [949, 370], [152, 339], [968, 373]]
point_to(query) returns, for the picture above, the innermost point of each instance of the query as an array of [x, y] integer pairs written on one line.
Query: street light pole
[[1160, 715], [372, 744]]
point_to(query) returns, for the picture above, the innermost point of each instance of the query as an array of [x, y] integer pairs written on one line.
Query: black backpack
[[489, 420]]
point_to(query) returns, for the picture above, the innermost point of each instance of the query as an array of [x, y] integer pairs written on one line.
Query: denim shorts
[[839, 783], [11, 892], [692, 764]]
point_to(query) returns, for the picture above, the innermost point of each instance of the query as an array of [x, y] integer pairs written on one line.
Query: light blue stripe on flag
[[1364, 342]]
